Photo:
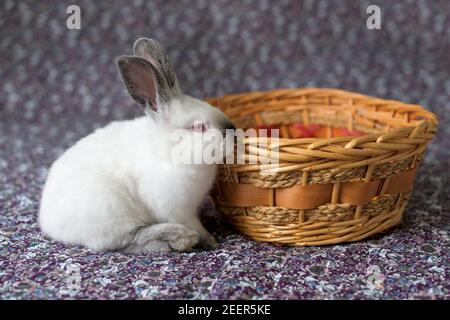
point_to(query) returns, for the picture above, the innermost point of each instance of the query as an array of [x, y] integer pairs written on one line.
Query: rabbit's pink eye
[[199, 127]]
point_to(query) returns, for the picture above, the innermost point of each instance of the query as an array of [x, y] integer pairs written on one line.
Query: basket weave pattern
[[349, 179]]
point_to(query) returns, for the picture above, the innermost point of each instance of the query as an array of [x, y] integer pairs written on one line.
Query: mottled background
[[58, 85]]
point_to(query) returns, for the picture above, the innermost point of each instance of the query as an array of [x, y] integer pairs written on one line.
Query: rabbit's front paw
[[181, 238], [208, 242]]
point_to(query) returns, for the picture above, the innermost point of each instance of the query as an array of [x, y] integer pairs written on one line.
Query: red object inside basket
[[299, 130]]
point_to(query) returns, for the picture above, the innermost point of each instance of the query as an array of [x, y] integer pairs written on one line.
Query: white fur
[[120, 178]]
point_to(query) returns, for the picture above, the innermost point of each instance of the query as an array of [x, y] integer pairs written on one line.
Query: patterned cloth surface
[[58, 85]]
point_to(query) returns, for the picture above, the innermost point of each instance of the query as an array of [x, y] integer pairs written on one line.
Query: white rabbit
[[117, 188]]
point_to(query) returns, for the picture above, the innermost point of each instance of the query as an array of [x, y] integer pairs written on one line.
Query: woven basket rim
[[427, 124], [252, 96]]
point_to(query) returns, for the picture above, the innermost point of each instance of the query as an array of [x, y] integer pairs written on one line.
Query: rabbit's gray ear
[[143, 81], [152, 51]]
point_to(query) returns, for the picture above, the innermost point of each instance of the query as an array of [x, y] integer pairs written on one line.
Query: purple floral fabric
[[57, 85]]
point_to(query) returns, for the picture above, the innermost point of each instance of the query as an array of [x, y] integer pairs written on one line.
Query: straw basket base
[[315, 234]]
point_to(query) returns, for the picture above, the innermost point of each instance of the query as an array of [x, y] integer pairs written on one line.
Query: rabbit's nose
[[227, 125], [230, 125]]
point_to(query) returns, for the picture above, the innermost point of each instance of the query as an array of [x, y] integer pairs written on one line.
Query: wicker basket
[[346, 165]]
